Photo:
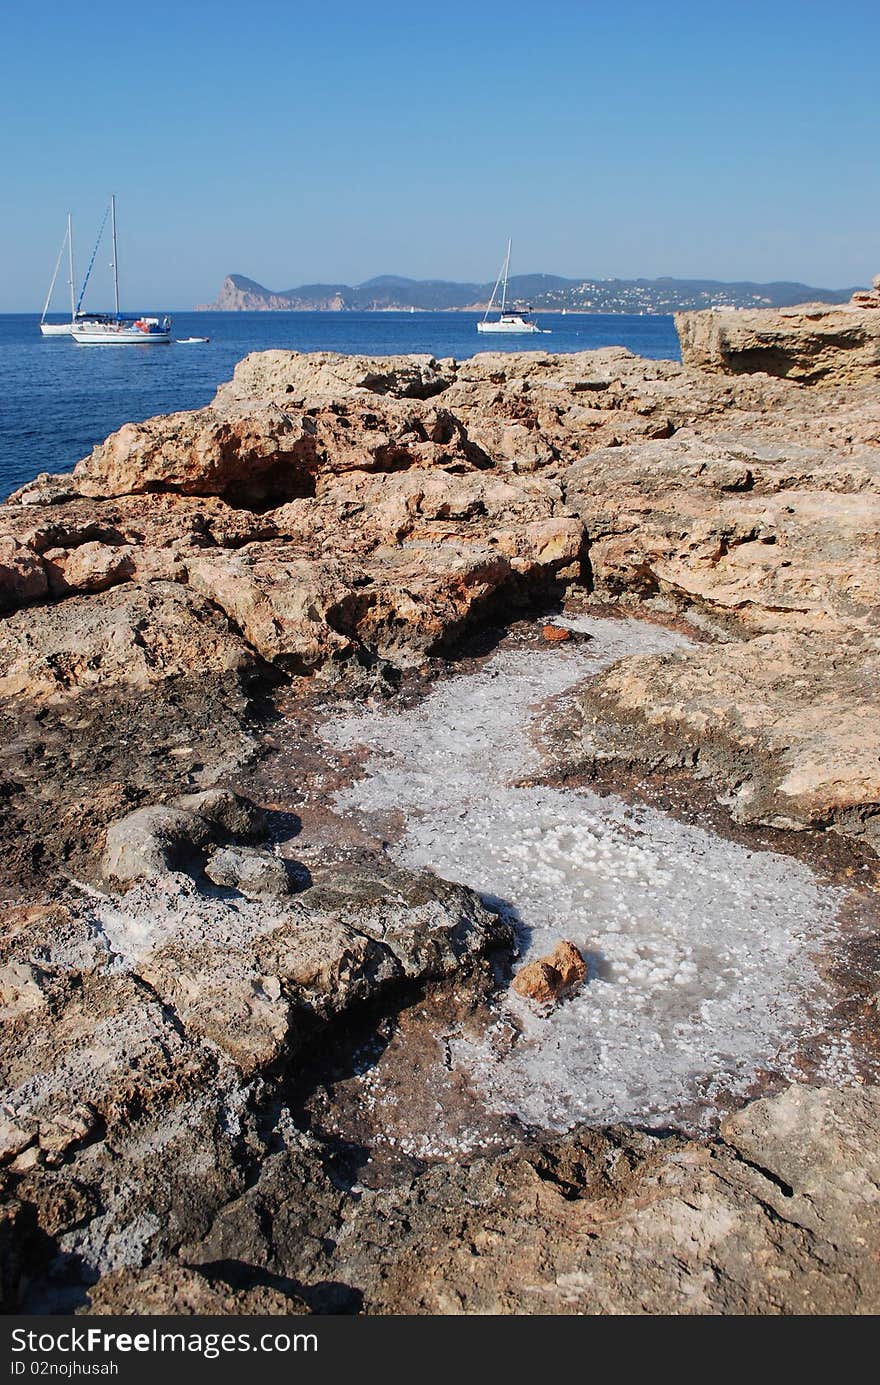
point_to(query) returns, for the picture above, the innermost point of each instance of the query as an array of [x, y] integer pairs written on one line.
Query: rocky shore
[[192, 927]]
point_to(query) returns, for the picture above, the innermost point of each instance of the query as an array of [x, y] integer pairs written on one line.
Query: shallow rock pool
[[702, 951]]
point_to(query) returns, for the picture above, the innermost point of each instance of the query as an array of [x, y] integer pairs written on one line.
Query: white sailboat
[[61, 329], [116, 328], [507, 320]]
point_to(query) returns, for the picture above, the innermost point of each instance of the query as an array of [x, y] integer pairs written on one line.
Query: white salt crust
[[701, 951]]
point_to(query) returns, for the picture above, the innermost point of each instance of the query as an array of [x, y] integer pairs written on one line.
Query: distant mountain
[[545, 292]]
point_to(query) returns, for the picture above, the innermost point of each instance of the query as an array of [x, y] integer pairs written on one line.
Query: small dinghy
[[190, 341]]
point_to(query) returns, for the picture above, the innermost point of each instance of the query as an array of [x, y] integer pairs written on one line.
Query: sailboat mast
[[70, 266], [504, 285], [115, 266]]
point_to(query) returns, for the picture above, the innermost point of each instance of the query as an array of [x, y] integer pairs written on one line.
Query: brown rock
[[172, 1288], [255, 456], [326, 513], [538, 981], [547, 978], [135, 636], [813, 343], [788, 725], [22, 575], [14, 1138], [567, 961], [91, 567], [555, 634], [777, 1215]]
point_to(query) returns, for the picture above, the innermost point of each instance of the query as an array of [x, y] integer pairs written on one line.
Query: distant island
[[544, 292]]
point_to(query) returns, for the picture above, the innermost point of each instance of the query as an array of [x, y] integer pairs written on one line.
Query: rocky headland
[[204, 958], [546, 293]]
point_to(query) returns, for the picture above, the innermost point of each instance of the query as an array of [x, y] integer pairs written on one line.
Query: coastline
[[58, 404], [352, 692]]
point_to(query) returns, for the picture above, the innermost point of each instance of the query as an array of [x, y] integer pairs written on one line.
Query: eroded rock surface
[[786, 722], [165, 974], [345, 516], [154, 1025], [813, 342], [618, 1223]]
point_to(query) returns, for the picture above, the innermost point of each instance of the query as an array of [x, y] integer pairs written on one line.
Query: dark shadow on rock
[[281, 826], [36, 1276], [327, 1296], [521, 930], [299, 875], [489, 620], [358, 1045]]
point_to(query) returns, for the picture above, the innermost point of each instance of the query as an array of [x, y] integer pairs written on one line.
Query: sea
[[57, 399]]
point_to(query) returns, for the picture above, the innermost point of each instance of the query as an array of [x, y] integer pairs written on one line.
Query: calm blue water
[[58, 399]]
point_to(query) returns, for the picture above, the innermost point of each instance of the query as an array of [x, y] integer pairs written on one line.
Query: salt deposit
[[701, 951]]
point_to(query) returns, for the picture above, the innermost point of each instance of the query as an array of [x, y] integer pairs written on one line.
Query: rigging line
[[494, 291], [54, 277], [82, 291]]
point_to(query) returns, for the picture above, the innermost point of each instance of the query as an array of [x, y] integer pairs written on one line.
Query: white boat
[[61, 329], [112, 329], [507, 320], [116, 328], [191, 341]]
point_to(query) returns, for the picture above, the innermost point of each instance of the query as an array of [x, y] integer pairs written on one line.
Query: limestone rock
[[92, 567], [285, 376], [134, 636], [538, 981], [253, 457], [768, 537], [173, 836], [787, 723], [45, 489], [14, 1138], [546, 979], [868, 298], [229, 815], [567, 961], [152, 841], [331, 515], [777, 1217], [432, 926], [812, 343], [22, 575], [257, 874]]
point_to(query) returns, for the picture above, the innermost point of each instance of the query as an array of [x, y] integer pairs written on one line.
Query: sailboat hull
[[120, 331], [56, 329], [123, 338], [511, 328]]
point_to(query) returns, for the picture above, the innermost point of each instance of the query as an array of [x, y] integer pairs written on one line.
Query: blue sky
[[300, 142]]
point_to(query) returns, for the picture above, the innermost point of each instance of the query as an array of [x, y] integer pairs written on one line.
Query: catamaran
[[507, 321], [116, 328], [61, 329]]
